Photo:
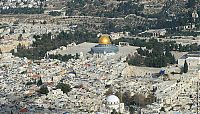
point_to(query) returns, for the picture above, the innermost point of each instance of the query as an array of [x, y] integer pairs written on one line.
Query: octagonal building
[[105, 46]]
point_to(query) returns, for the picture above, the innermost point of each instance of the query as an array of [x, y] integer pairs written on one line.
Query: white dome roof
[[112, 99]]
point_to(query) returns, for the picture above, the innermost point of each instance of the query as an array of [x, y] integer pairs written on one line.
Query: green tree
[[23, 31], [139, 100], [1, 51], [76, 56], [109, 91], [140, 51], [44, 43], [173, 60], [39, 82], [150, 99], [20, 37], [33, 22], [55, 13], [24, 10], [52, 79], [115, 112], [64, 87], [191, 3], [43, 90], [126, 97], [137, 60], [162, 109], [185, 67]]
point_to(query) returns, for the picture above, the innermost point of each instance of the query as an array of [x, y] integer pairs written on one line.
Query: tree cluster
[[191, 3], [161, 46], [156, 58], [133, 42], [46, 42], [25, 10], [138, 99], [173, 23], [121, 10], [64, 57], [43, 90], [137, 60], [101, 8], [64, 87], [55, 13], [156, 54]]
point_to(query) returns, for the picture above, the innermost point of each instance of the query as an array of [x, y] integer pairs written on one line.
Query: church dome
[[112, 99], [104, 40]]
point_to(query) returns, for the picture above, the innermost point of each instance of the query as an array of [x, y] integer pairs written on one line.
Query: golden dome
[[104, 40]]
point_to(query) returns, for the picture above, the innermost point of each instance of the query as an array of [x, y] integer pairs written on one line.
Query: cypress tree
[[0, 51], [185, 67]]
